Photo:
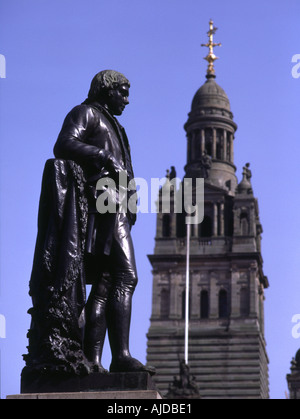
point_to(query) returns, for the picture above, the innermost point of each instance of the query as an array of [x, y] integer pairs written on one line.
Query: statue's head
[[111, 89]]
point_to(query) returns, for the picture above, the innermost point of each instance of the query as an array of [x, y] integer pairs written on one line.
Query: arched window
[[244, 224], [244, 302], [181, 225], [223, 304], [205, 228], [166, 225], [165, 304], [204, 305]]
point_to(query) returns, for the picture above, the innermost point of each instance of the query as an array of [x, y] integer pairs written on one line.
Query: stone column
[[225, 145], [222, 219], [156, 296], [214, 143], [254, 307], [261, 307], [252, 230], [202, 141], [173, 225], [214, 296], [215, 219], [235, 297], [174, 289], [231, 149], [195, 296]]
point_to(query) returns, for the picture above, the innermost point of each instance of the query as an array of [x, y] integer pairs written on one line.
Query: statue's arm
[[71, 143]]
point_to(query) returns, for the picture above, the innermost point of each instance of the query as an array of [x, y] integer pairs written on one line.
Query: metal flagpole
[[187, 294]]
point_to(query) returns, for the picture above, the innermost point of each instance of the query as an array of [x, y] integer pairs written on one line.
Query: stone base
[[35, 385], [90, 395]]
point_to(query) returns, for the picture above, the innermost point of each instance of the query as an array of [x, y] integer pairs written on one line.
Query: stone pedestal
[[94, 386], [91, 395]]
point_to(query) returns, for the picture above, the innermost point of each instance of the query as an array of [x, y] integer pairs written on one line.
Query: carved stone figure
[[205, 164], [173, 173], [245, 185], [184, 388], [78, 245]]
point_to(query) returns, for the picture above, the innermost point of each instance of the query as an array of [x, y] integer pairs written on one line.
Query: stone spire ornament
[[211, 57]]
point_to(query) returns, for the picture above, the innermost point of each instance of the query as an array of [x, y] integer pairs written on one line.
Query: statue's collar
[[100, 108], [103, 110]]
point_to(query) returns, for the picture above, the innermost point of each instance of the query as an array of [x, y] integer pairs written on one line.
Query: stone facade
[[227, 350]]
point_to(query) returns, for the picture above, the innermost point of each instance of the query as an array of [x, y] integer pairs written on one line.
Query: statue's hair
[[105, 81]]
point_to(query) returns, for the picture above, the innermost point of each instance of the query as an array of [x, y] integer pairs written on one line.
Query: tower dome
[[210, 130], [211, 95], [211, 101]]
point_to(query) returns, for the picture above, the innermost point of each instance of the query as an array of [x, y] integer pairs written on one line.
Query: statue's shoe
[[98, 368], [129, 364]]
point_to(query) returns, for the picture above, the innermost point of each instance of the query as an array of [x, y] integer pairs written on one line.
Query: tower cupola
[[210, 129]]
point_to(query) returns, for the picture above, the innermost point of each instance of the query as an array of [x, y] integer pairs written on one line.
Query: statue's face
[[118, 99]]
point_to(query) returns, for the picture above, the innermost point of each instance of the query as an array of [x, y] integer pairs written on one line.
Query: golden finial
[[211, 57]]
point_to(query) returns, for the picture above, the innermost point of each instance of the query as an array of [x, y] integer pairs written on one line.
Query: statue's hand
[[114, 166]]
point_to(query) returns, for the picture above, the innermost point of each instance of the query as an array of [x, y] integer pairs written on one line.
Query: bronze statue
[[78, 245]]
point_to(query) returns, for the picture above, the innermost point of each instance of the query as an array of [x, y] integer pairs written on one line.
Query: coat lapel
[[121, 133]]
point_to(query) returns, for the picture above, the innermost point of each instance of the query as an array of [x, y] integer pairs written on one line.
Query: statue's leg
[[124, 278], [95, 329]]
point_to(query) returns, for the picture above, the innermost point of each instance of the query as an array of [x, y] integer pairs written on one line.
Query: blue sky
[[54, 48]]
